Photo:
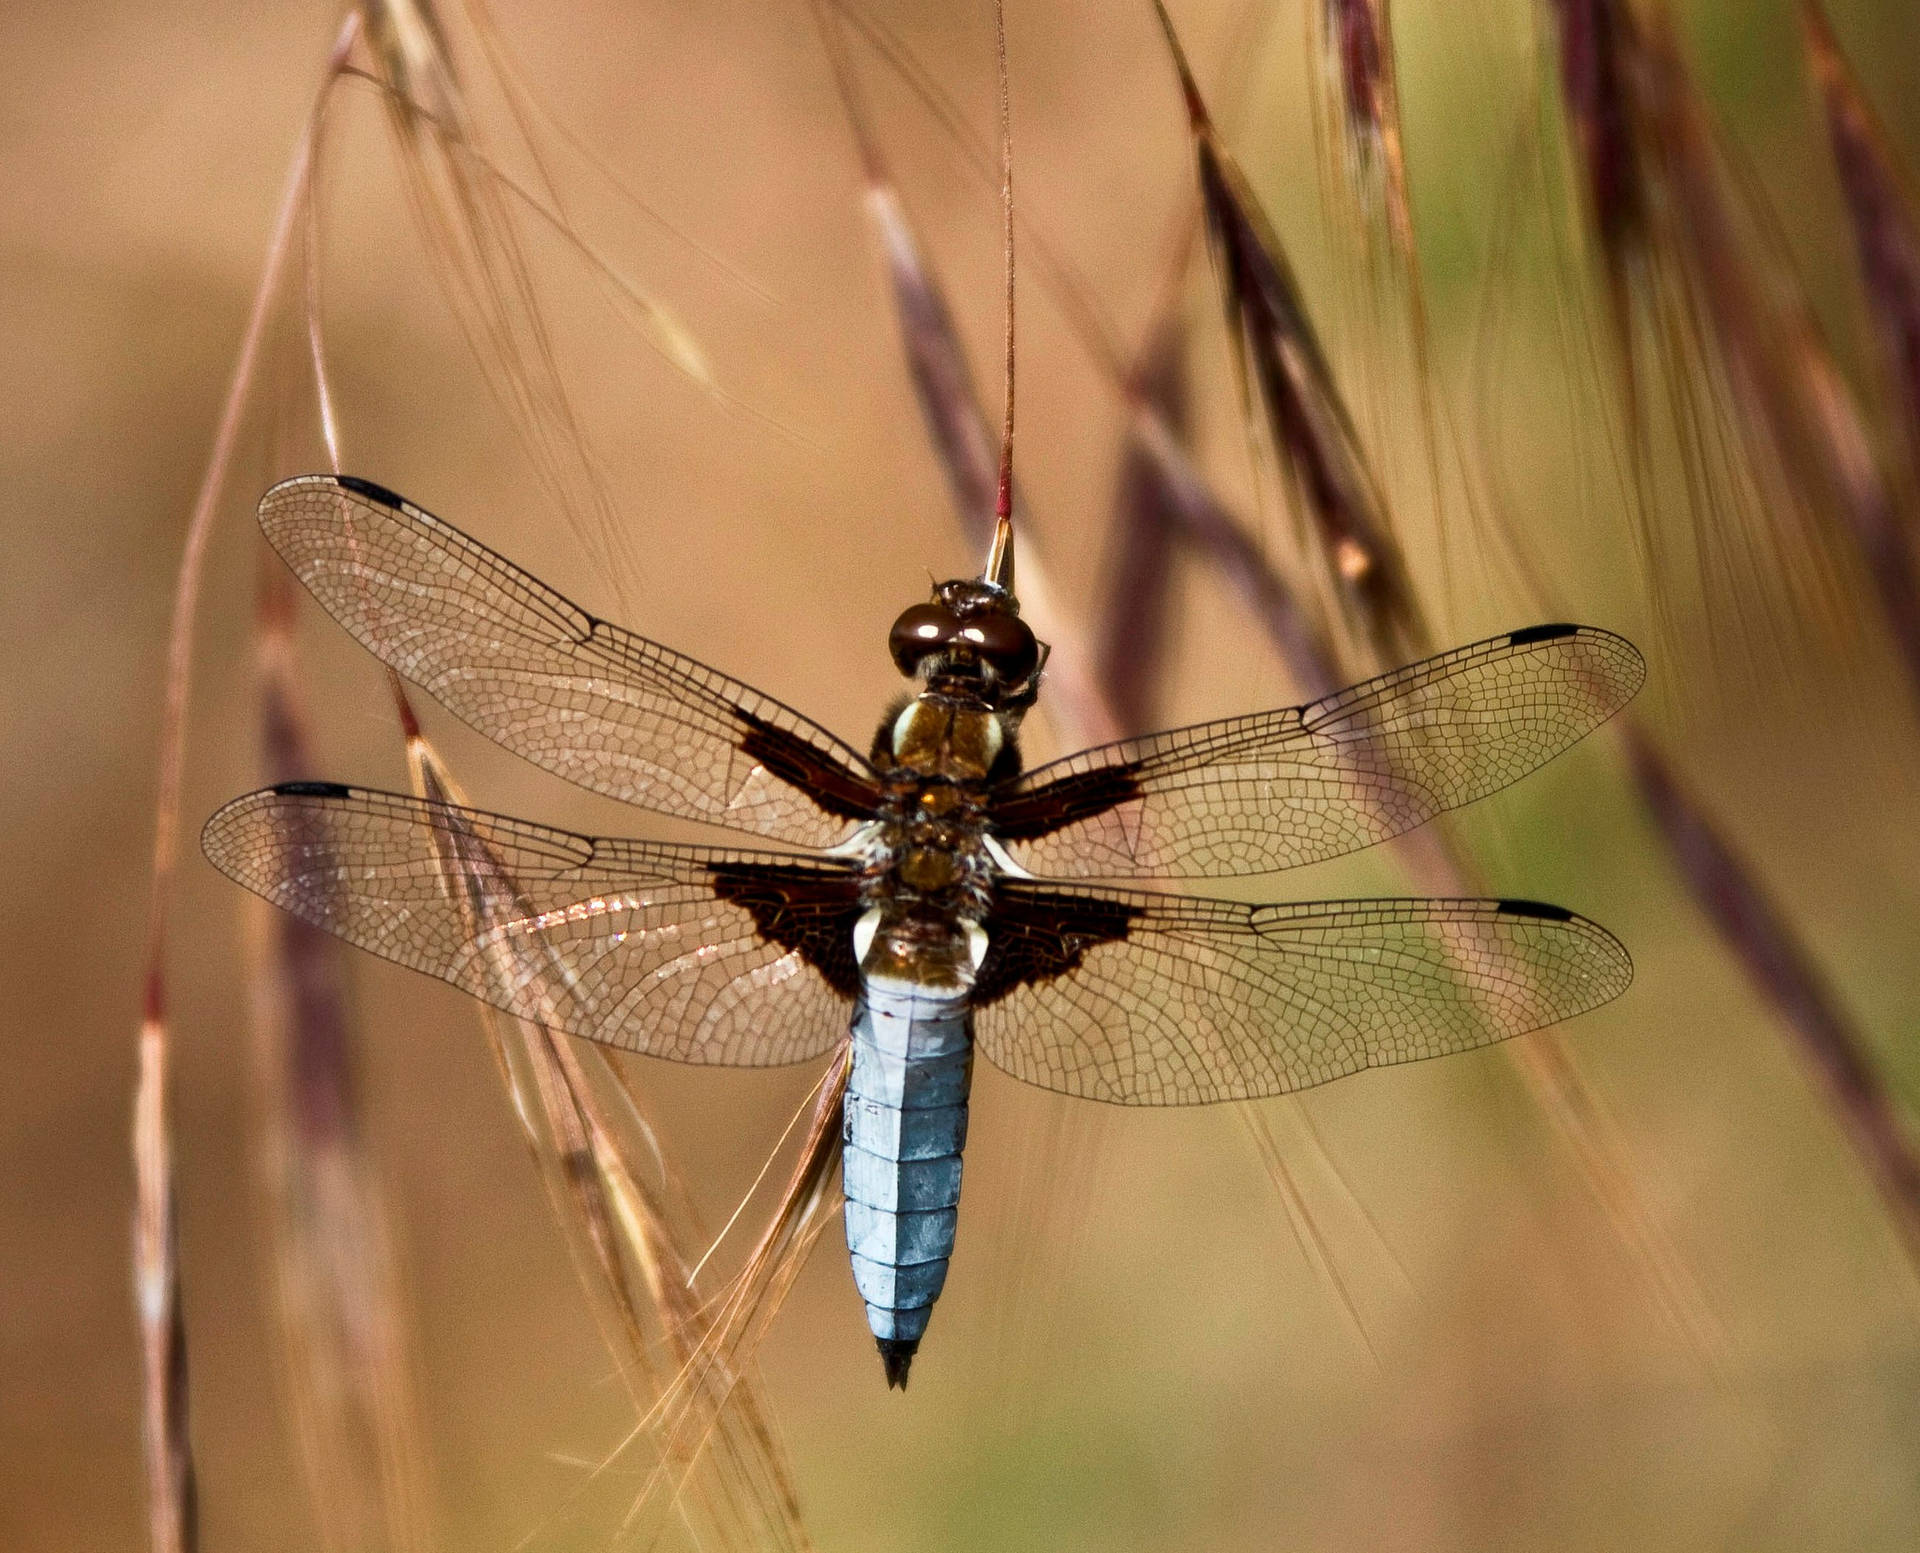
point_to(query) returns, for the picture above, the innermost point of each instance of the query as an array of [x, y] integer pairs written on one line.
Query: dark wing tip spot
[[1541, 633], [310, 790], [373, 492], [1536, 909]]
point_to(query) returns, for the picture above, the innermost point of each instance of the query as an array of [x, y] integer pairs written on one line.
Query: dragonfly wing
[[1164, 1000], [700, 954], [1277, 789], [568, 691]]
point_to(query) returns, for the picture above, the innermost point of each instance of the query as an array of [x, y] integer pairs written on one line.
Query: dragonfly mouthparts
[[897, 1355]]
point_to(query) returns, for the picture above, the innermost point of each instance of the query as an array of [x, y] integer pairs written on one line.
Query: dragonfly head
[[969, 639]]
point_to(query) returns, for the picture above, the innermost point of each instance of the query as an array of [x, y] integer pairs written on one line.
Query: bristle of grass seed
[[716, 1446]]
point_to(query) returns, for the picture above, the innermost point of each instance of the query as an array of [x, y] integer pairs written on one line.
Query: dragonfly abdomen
[[906, 1123]]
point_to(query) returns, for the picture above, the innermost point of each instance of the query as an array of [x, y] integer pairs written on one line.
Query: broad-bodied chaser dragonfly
[[932, 900]]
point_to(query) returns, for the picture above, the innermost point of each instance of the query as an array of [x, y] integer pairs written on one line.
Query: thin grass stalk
[[1886, 219], [342, 1315], [172, 1520]]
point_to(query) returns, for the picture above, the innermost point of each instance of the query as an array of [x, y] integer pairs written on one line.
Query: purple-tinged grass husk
[[1359, 37], [1307, 422], [1593, 35], [1885, 213], [1684, 247], [173, 1519], [1794, 400], [343, 1321]]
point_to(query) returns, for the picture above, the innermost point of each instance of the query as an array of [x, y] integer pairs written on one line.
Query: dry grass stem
[[172, 1523]]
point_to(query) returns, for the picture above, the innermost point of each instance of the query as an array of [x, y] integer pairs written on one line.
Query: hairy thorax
[[927, 859]]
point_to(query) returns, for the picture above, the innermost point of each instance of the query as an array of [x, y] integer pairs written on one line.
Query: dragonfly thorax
[[938, 735]]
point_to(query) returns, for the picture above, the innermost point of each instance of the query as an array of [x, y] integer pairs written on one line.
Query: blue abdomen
[[906, 1123]]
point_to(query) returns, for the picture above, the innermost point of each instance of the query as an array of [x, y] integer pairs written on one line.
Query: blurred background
[[1473, 1347]]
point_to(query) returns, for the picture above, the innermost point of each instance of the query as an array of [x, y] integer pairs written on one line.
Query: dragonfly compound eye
[[921, 631], [1005, 644]]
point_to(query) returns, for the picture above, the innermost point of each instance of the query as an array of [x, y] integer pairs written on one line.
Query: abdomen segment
[[906, 1123]]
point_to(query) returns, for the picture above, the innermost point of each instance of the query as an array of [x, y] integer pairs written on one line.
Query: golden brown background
[[1133, 1352]]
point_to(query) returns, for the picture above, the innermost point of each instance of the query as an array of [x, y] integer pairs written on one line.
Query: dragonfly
[[931, 899]]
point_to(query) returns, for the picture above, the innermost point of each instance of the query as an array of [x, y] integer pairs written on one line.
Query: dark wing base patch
[[1036, 936], [799, 909]]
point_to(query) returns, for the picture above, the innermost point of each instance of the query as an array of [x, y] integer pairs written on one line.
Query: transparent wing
[[1162, 1000], [585, 699], [739, 958], [1277, 789]]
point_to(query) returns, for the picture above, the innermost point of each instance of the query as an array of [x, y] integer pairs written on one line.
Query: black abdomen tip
[[896, 1354]]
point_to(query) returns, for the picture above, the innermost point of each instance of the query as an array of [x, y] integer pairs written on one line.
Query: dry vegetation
[[1348, 331]]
